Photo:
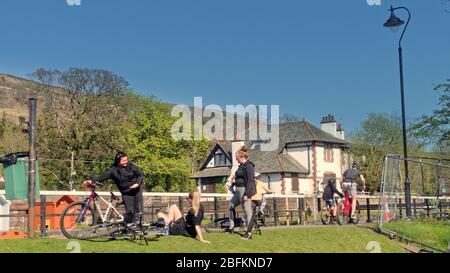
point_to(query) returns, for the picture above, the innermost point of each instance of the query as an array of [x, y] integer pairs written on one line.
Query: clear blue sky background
[[310, 57]]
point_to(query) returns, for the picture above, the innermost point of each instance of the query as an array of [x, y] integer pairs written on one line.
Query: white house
[[306, 157]]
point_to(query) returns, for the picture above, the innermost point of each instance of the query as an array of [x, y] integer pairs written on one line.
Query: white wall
[[332, 167], [306, 185], [300, 154]]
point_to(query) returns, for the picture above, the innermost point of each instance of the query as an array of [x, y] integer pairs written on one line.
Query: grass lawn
[[320, 239], [431, 232]]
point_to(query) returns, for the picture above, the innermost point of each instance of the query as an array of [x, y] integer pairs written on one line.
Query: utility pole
[[32, 167], [72, 172]]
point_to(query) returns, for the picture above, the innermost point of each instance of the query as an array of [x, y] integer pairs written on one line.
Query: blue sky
[[310, 57]]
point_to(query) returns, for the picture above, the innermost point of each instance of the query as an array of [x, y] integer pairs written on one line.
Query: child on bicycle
[[328, 196], [190, 225]]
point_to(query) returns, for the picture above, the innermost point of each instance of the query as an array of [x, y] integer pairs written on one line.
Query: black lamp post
[[394, 23]]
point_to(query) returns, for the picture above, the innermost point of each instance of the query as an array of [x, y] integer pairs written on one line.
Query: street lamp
[[394, 24]]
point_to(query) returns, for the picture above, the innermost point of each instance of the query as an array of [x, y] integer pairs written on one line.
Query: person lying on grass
[[191, 226]]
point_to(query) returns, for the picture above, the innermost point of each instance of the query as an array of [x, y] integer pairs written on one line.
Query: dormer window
[[220, 159], [257, 145]]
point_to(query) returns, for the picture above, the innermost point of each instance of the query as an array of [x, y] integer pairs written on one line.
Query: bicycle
[[344, 210], [79, 218], [326, 215], [223, 224]]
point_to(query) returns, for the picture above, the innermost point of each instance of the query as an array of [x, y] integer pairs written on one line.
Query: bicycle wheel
[[79, 221], [218, 225], [325, 216], [340, 212], [357, 213]]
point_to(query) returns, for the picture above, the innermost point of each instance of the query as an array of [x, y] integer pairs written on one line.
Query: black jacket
[[245, 177], [123, 177], [329, 191]]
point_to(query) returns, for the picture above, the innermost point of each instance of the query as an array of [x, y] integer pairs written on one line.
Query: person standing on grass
[[257, 200], [244, 181], [129, 179]]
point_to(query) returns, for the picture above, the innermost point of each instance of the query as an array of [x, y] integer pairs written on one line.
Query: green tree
[[82, 113], [435, 129], [167, 163], [379, 134]]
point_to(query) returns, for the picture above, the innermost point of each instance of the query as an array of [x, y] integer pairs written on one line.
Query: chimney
[[236, 144], [329, 125], [340, 131]]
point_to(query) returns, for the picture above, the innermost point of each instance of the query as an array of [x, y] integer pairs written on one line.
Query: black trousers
[[255, 204], [133, 202]]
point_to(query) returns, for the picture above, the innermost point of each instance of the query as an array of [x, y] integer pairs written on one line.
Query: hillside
[[14, 95]]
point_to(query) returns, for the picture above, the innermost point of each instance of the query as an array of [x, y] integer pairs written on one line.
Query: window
[[219, 159], [256, 145], [328, 153]]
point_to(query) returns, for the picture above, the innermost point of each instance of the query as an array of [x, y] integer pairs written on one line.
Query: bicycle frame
[[92, 203], [348, 204]]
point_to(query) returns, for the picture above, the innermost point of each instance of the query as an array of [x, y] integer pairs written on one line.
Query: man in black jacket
[[128, 178]]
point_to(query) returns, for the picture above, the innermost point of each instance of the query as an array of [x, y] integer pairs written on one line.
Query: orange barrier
[[12, 235], [57, 206]]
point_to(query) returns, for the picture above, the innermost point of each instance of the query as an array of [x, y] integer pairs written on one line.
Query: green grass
[[431, 232], [332, 239]]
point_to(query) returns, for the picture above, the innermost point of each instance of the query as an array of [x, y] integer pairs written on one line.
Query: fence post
[[216, 208], [400, 207], [428, 207], [275, 213], [415, 207], [180, 203], [319, 208], [369, 220], [300, 210], [43, 215]]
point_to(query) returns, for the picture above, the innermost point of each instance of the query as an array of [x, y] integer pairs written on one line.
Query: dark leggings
[[133, 205], [255, 204]]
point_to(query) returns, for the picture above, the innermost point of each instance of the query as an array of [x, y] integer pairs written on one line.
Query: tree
[[82, 110], [380, 134], [288, 117], [167, 163], [435, 129]]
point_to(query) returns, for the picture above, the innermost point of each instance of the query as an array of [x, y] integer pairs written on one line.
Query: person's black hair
[[118, 157], [331, 182]]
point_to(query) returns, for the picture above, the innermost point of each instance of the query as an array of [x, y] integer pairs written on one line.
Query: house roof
[[275, 161], [303, 131], [213, 172]]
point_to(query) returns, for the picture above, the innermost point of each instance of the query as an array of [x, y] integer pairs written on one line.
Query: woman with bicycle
[[190, 225], [128, 178], [245, 189]]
